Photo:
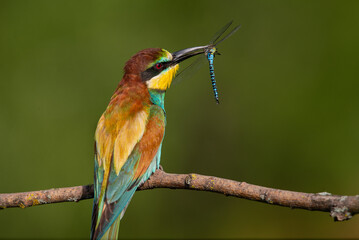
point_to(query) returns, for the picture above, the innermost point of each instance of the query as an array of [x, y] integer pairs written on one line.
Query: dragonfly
[[210, 52]]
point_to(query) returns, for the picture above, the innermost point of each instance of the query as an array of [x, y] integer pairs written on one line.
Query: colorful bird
[[129, 134]]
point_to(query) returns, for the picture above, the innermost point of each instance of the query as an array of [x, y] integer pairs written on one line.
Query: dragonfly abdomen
[[210, 57]]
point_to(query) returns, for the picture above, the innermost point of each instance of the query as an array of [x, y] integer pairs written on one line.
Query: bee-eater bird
[[129, 134]]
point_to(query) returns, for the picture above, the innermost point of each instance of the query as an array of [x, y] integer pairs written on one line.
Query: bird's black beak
[[184, 54]]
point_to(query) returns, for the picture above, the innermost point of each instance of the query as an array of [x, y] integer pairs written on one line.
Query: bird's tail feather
[[112, 232]]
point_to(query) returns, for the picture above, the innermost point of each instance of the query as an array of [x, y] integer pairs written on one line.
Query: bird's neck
[[158, 97]]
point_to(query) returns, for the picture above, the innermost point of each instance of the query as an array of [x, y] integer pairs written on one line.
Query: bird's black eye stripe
[[154, 70]]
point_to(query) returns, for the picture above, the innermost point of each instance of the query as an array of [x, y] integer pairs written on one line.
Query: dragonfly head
[[212, 50]]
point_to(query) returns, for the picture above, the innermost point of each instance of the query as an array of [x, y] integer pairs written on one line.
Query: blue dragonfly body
[[210, 54], [212, 51]]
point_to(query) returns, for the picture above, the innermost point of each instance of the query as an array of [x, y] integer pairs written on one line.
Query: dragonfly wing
[[191, 69], [220, 32], [228, 35]]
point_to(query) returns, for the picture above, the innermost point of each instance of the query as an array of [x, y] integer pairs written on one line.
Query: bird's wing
[[117, 179]]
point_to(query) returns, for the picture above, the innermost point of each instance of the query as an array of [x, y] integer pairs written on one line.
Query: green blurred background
[[288, 118]]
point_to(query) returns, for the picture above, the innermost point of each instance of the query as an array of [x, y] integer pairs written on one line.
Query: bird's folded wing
[[117, 182]]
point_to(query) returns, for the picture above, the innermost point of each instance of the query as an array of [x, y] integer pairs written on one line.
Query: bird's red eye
[[159, 65]]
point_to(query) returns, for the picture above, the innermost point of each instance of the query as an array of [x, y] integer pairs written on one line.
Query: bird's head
[[157, 67]]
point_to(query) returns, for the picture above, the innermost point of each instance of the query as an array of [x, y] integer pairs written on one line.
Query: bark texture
[[340, 207]]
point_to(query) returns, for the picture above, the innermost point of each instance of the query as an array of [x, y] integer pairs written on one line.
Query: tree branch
[[340, 207]]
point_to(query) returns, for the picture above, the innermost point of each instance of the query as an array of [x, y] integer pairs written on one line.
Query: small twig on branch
[[340, 207]]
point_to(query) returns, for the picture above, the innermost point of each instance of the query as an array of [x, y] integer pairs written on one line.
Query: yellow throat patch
[[163, 80]]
